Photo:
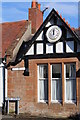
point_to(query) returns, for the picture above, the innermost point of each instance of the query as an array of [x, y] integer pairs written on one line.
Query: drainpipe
[[4, 62]]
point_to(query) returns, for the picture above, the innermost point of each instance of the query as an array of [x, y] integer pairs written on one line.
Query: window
[[70, 82], [57, 92], [56, 83], [42, 83]]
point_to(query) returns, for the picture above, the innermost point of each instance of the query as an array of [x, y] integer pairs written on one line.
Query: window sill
[[70, 102], [56, 101], [42, 101]]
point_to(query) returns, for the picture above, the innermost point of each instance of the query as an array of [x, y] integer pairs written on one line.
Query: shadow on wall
[[78, 73], [75, 117]]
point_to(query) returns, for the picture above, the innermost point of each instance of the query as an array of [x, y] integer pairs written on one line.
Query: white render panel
[[59, 47], [49, 48], [40, 37], [40, 48], [50, 23], [31, 51], [1, 86], [70, 46], [78, 47]]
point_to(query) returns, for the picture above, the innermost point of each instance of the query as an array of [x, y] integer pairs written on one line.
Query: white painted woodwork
[[1, 85], [51, 22], [49, 48], [5, 82], [59, 47], [40, 37], [30, 51], [18, 69], [78, 47], [70, 46], [40, 48]]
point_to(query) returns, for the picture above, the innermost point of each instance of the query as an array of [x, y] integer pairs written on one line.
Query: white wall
[[70, 46], [49, 48], [50, 23], [30, 51], [40, 37], [59, 47], [40, 48]]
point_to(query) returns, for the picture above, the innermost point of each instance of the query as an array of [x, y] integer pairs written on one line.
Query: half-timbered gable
[[67, 43]]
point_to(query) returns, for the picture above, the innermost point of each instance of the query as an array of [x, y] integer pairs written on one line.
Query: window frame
[[69, 101], [55, 101], [62, 62], [41, 101]]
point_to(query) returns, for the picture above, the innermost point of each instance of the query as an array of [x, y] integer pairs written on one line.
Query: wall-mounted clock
[[54, 33]]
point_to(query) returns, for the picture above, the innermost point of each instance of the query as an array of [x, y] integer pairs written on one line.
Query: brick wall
[[25, 87], [36, 18]]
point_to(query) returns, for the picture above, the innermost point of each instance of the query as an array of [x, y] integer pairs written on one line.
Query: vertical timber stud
[[63, 92], [54, 48], [49, 83], [35, 49], [77, 98], [75, 46], [64, 32]]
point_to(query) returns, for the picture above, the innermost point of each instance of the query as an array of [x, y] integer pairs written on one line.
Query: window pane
[[56, 71], [56, 82], [56, 89], [70, 70], [43, 71], [70, 89], [70, 73], [43, 82], [43, 89]]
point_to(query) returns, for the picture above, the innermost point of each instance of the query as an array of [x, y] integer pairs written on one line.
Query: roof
[[11, 34], [26, 45]]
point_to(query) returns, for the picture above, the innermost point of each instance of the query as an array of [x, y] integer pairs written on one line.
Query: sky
[[16, 11]]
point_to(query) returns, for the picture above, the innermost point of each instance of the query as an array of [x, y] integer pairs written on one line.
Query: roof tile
[[12, 31]]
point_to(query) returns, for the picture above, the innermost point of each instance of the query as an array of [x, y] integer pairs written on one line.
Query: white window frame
[[68, 101], [54, 101], [42, 101]]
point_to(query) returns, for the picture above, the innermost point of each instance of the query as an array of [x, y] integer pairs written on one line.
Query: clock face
[[53, 34]]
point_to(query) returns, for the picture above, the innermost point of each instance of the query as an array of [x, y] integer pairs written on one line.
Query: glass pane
[[43, 89], [71, 89], [56, 71], [43, 71], [56, 89], [70, 71]]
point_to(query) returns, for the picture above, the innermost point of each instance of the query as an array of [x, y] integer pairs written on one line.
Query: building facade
[[47, 78], [45, 70]]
